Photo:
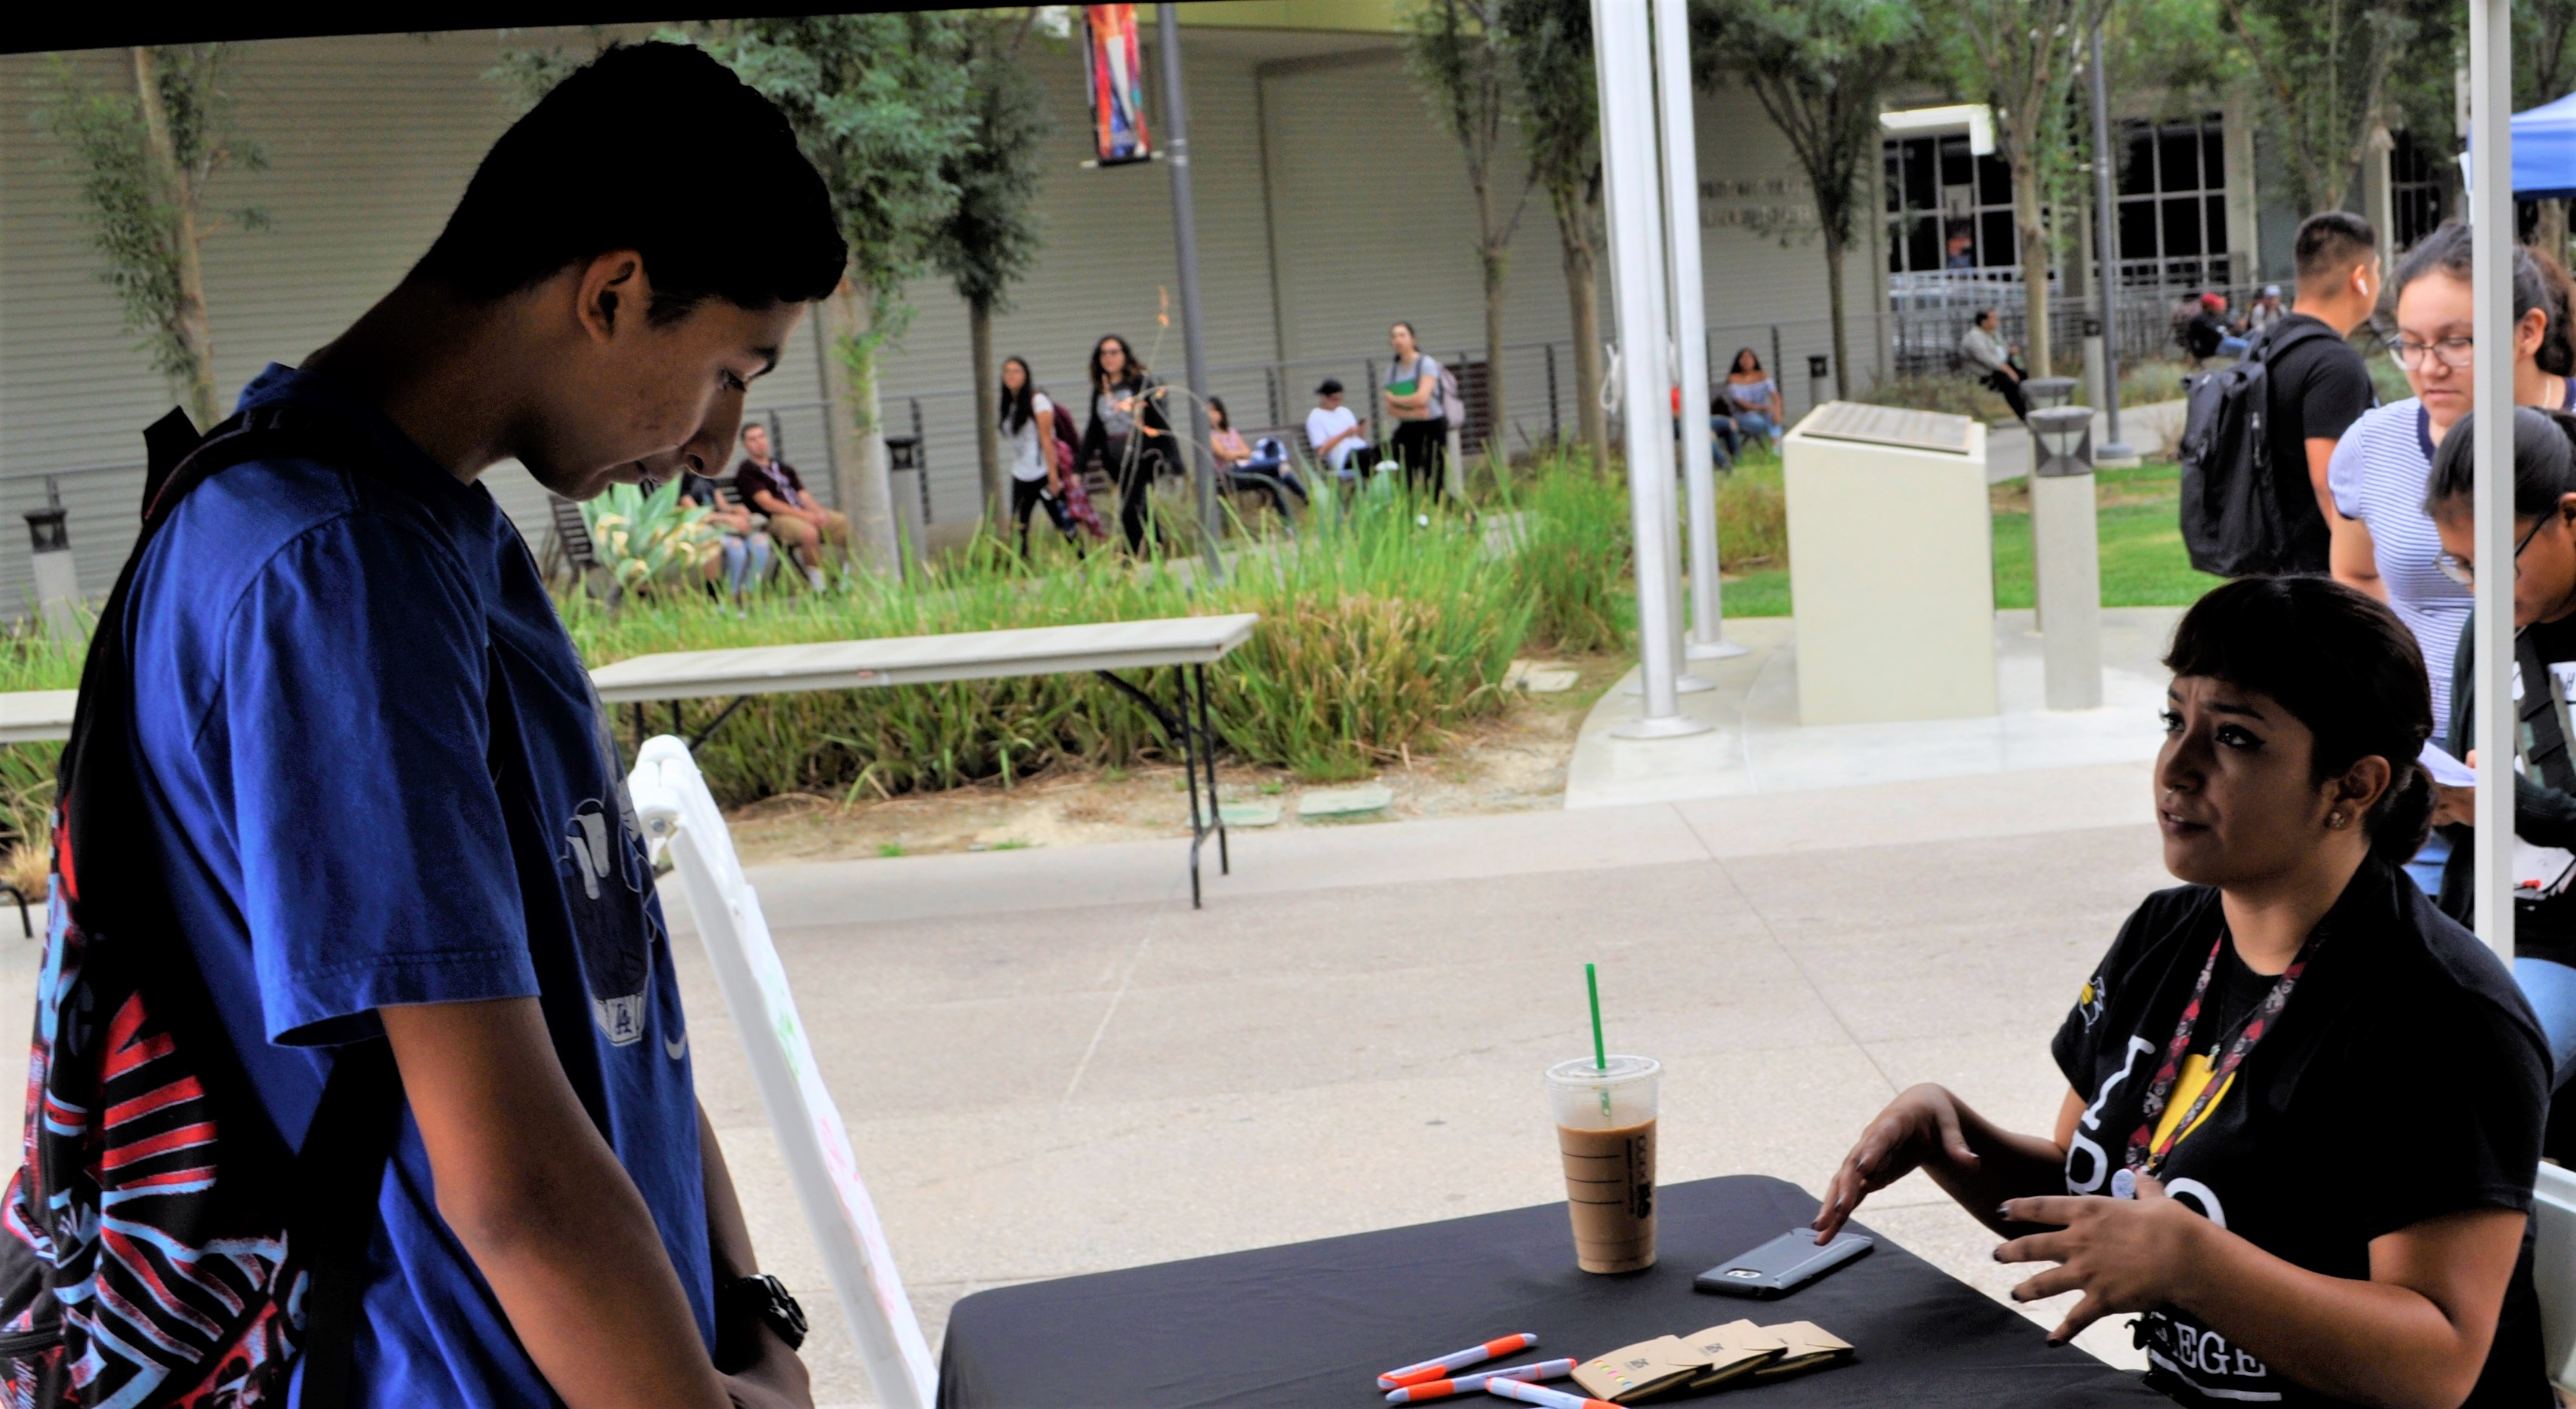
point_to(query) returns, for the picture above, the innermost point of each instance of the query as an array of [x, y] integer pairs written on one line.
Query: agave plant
[[644, 538]]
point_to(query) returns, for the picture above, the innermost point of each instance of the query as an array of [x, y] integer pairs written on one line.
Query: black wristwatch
[[764, 1298]]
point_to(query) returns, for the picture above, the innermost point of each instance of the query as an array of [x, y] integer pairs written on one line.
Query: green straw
[[1592, 987], [1600, 1053]]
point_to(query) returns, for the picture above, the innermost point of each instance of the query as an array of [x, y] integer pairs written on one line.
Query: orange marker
[[1469, 1384], [1439, 1369], [1528, 1393]]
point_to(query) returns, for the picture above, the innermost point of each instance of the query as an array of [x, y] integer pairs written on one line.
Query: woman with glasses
[[2544, 792], [2384, 542]]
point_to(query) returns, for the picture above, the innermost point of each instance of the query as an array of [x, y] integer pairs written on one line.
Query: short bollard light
[[1820, 371], [57, 579], [2066, 547], [2048, 391]]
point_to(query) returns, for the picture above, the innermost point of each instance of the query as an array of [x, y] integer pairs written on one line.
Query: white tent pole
[[2491, 219], [1690, 322], [1621, 55]]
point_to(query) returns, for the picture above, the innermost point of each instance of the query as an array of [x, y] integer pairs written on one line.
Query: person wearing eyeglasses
[[2544, 787], [2384, 541]]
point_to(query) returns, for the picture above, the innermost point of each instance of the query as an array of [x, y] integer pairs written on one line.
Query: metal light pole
[[1622, 55], [1185, 240], [1690, 324], [2112, 450], [2491, 368]]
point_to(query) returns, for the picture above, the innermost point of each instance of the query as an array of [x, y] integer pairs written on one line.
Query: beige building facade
[[1329, 204]]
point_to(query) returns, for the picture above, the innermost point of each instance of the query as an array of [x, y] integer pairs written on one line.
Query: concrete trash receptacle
[[1891, 565]]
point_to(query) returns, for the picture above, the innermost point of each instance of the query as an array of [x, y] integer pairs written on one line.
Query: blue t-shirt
[[379, 776]]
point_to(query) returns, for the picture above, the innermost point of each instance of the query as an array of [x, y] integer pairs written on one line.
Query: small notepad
[[1732, 1350], [1633, 1372], [1807, 1346]]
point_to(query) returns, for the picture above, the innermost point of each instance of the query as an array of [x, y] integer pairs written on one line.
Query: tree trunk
[[2034, 258], [861, 482], [1497, 444], [189, 326], [1583, 291], [988, 411], [1834, 305], [2551, 233]]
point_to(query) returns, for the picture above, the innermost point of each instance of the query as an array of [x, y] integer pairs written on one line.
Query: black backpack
[[162, 1247], [2231, 504]]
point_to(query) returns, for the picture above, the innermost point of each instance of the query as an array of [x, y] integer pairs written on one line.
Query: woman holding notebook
[[2303, 1106]]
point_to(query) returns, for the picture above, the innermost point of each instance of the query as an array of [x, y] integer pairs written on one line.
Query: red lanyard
[[2146, 1154]]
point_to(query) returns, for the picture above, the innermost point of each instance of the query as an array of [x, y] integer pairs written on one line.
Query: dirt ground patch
[[1515, 763]]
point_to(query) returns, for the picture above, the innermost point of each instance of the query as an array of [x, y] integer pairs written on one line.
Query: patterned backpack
[[151, 1257]]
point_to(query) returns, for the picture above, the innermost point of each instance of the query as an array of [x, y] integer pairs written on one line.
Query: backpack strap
[[338, 1173]]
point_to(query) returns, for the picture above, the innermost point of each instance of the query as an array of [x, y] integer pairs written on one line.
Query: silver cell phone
[[1782, 1265]]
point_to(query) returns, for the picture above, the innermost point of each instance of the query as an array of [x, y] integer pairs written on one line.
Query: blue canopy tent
[[2544, 151]]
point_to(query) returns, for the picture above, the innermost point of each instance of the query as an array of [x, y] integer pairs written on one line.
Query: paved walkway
[[1050, 1065], [1758, 745]]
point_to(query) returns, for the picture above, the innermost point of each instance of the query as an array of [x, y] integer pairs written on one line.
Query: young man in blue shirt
[[385, 798]]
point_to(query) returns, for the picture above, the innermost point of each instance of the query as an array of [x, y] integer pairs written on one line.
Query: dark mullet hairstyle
[[2342, 664]]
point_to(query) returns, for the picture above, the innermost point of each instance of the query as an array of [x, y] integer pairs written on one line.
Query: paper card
[[1808, 1345], [1632, 1372], [1733, 1349], [2446, 770]]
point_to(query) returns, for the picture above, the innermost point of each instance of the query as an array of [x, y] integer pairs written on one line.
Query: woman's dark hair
[[2539, 281], [2544, 464], [1134, 374], [1019, 406], [588, 170], [2342, 664], [1224, 418], [1738, 364]]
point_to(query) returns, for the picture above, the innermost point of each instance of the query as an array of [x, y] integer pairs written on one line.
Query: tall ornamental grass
[[1385, 626]]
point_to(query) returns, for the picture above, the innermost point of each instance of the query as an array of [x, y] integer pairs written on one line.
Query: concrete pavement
[[1051, 1065]]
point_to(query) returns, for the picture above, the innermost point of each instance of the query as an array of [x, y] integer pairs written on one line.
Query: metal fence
[[1933, 309]]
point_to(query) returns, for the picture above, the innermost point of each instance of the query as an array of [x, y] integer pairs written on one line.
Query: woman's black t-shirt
[[2405, 1079]]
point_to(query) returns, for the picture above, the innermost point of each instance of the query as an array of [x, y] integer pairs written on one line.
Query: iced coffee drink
[[1605, 1133]]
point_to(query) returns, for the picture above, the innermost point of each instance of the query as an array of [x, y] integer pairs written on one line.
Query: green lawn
[[2143, 562]]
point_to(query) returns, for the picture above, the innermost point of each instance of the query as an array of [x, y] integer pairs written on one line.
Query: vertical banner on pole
[[680, 816], [1622, 55], [1690, 324], [2490, 202], [1113, 79]]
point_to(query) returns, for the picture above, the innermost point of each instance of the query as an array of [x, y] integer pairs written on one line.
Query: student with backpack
[[362, 1075], [2259, 435], [1416, 396], [1038, 473]]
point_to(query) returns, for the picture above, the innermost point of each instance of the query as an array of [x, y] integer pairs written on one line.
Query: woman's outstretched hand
[[1920, 1127], [2123, 1254]]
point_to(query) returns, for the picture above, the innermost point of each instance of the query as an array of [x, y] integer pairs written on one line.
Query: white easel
[[680, 816]]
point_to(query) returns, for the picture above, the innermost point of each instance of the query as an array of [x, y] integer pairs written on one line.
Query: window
[[2416, 190], [1938, 192], [2173, 202]]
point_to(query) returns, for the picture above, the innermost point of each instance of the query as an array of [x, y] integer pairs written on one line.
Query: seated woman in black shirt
[[2304, 1107]]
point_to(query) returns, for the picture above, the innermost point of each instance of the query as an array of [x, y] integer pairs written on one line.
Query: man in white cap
[[2265, 312]]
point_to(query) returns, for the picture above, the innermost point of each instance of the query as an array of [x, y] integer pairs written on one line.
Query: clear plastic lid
[[1589, 1097]]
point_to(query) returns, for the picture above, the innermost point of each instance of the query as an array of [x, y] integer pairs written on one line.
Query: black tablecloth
[[1312, 1324]]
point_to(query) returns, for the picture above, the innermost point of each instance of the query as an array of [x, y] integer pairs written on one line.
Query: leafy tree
[[1818, 67], [145, 159], [2326, 72], [992, 236], [2020, 58], [1456, 49], [882, 104], [1549, 43]]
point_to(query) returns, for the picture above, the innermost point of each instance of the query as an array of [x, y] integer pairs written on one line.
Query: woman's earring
[[2335, 820]]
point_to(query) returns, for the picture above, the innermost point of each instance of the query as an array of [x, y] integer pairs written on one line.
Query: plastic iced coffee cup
[[1605, 1132]]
